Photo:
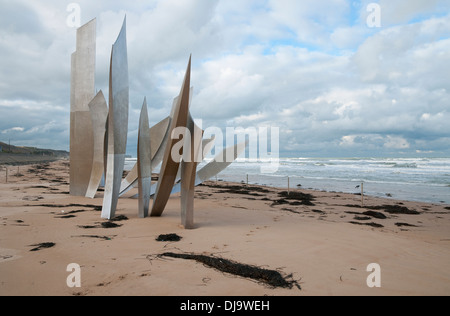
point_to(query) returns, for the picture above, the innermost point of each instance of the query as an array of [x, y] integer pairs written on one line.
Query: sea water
[[411, 179]]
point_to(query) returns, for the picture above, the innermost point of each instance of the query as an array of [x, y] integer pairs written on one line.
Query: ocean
[[410, 179]]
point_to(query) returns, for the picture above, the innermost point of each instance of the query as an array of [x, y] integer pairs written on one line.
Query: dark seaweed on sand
[[374, 214], [397, 209], [404, 225], [66, 216], [368, 224], [87, 226], [299, 198], [240, 189], [38, 168], [362, 218], [271, 278], [119, 218], [94, 207], [95, 236], [280, 202], [391, 209], [169, 237], [110, 225], [44, 245], [77, 211], [107, 225]]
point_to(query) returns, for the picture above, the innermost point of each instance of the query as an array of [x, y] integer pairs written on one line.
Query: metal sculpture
[[82, 91], [99, 138], [188, 171], [99, 115], [117, 123], [207, 144], [158, 139], [216, 166], [169, 168], [144, 162]]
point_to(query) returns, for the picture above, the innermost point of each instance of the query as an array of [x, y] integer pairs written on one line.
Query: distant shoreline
[[20, 160]]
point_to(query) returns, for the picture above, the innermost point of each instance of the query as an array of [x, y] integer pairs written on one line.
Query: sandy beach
[[325, 240]]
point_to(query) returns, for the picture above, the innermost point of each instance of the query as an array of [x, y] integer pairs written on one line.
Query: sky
[[335, 82]]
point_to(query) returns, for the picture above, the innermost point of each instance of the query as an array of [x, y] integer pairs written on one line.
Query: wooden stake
[[247, 179], [362, 194], [6, 174], [289, 186]]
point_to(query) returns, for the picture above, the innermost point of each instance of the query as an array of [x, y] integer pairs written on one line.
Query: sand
[[317, 244]]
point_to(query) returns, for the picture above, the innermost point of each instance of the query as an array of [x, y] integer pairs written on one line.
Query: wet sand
[[325, 240]]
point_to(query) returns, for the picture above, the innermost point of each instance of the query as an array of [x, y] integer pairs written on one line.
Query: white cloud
[[395, 142], [311, 21], [406, 54], [312, 68], [12, 130], [400, 11], [348, 141]]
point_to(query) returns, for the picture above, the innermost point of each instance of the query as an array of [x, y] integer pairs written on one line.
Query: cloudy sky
[[334, 85]]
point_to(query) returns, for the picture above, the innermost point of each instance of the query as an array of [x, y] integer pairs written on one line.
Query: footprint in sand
[[8, 255]]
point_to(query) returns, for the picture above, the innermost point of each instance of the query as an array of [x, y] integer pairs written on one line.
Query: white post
[[289, 186]]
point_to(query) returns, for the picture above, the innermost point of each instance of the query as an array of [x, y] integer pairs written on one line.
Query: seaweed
[[374, 214], [110, 225], [95, 236], [362, 218], [66, 216], [280, 202], [169, 237], [238, 188], [119, 218], [396, 209], [107, 225], [95, 207], [241, 189], [299, 198], [404, 225], [391, 209], [77, 211], [271, 278], [44, 245], [368, 224], [289, 210]]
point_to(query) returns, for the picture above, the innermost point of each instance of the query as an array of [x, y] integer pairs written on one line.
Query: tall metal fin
[[117, 123]]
